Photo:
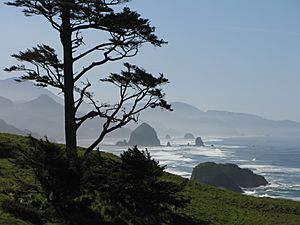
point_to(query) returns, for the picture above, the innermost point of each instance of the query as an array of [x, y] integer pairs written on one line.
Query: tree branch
[[82, 93], [144, 87], [87, 116], [98, 47]]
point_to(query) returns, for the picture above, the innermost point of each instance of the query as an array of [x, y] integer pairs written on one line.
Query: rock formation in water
[[189, 136], [168, 137], [228, 176], [143, 135], [122, 143], [199, 142]]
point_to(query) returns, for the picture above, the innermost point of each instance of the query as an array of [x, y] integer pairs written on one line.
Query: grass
[[216, 206]]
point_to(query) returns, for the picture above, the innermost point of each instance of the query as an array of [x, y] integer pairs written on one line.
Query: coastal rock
[[189, 136], [228, 176], [169, 144], [122, 143], [168, 137], [199, 142], [221, 180], [144, 135]]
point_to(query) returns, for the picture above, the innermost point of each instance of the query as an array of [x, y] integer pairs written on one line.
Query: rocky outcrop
[[143, 135], [169, 144], [221, 180], [189, 136], [168, 137], [228, 176], [199, 142]]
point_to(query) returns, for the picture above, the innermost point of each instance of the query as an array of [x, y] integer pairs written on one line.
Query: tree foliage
[[143, 193], [100, 190], [125, 32], [87, 188]]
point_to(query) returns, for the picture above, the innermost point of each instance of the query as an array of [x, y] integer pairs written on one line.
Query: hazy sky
[[234, 55]]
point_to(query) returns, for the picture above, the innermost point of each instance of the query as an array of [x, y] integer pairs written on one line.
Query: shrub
[[142, 192], [93, 190], [23, 211], [7, 150]]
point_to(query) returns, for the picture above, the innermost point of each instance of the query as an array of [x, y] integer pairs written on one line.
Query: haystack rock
[[144, 135]]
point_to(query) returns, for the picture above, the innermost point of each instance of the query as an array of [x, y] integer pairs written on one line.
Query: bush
[[7, 150], [23, 211], [60, 182], [93, 190], [140, 190], [52, 184]]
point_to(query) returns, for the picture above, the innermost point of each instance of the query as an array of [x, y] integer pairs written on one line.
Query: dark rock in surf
[[227, 176], [199, 142], [144, 135]]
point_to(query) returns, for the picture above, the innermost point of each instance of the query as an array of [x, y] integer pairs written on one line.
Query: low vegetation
[[186, 202]]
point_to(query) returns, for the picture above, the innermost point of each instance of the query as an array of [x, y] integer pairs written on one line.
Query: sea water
[[277, 159]]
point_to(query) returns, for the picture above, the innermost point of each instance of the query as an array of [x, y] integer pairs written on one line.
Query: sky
[[233, 55]]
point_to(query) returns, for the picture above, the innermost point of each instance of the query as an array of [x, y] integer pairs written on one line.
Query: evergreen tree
[[126, 32]]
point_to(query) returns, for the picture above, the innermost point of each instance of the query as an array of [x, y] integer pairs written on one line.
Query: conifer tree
[[126, 32]]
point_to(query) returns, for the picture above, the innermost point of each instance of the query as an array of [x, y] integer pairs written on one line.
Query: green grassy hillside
[[215, 206]]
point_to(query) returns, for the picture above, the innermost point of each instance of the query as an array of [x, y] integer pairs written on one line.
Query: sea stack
[[189, 136], [199, 142], [122, 143], [144, 135], [227, 176]]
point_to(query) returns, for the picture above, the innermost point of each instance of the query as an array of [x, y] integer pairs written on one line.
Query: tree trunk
[[70, 125]]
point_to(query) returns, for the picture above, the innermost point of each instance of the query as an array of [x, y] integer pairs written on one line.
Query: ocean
[[277, 159]]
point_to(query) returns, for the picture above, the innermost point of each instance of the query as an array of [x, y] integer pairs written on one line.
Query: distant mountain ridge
[[24, 91], [10, 129], [187, 118], [7, 128], [42, 114], [5, 102], [45, 116], [183, 107]]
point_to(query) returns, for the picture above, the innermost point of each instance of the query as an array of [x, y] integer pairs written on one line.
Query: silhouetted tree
[[125, 30], [143, 192]]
